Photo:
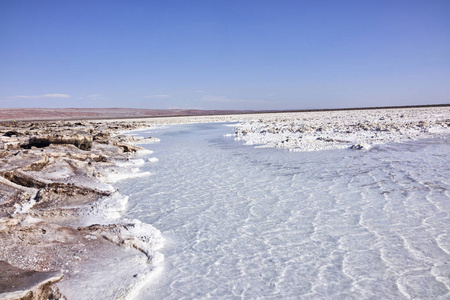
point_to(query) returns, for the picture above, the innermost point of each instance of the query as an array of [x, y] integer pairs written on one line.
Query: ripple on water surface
[[266, 223]]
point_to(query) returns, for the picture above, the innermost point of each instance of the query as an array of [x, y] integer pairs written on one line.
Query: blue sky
[[224, 54]]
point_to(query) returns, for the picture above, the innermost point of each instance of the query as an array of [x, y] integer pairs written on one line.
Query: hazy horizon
[[224, 55]]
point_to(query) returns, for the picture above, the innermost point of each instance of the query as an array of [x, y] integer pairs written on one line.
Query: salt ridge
[[313, 131], [132, 234]]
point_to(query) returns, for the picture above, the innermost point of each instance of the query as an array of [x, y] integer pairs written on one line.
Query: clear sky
[[246, 54]]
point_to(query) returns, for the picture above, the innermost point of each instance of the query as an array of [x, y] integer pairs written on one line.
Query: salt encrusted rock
[[12, 196], [21, 178], [359, 147], [48, 173], [11, 133], [62, 195], [102, 137], [84, 142], [132, 234], [16, 283], [129, 148]]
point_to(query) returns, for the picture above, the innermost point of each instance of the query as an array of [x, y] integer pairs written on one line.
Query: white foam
[[135, 132], [143, 280], [117, 273]]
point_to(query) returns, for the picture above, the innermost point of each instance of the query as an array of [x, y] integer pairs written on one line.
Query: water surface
[[249, 223]]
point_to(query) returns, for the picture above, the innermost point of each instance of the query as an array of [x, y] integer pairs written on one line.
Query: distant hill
[[42, 114], [9, 114]]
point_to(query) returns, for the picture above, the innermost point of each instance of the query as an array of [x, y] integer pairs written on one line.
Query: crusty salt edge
[[141, 236], [23, 207], [128, 234], [144, 280], [114, 176], [135, 234], [22, 293]]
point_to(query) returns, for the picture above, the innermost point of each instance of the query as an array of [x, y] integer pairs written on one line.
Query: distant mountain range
[[39, 114], [9, 114]]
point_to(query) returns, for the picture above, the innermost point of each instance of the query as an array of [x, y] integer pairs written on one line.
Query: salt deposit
[[310, 131]]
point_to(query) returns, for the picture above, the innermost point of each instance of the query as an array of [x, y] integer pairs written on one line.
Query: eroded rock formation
[[48, 170]]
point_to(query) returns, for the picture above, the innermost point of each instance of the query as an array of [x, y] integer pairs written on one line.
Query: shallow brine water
[[249, 223]]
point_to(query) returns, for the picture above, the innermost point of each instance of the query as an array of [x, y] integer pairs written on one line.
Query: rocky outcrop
[[48, 171], [128, 148], [83, 142], [11, 133]]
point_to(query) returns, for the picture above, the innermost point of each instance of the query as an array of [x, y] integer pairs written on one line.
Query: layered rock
[[49, 173], [82, 141]]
